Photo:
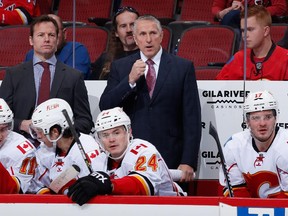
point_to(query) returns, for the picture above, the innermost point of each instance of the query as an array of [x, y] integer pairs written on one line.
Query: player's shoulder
[[282, 50], [280, 53], [86, 137], [239, 55], [88, 141], [18, 145], [283, 132], [281, 138], [140, 146], [238, 139], [44, 151], [279, 146], [138, 141], [90, 146]]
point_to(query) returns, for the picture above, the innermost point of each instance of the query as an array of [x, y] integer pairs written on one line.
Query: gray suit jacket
[[18, 90]]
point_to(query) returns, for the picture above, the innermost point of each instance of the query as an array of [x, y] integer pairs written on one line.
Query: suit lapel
[[164, 70], [58, 79], [141, 82], [141, 85], [134, 58], [28, 72]]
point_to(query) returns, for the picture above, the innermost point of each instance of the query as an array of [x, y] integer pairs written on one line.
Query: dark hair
[[115, 47], [122, 10], [41, 19], [66, 133]]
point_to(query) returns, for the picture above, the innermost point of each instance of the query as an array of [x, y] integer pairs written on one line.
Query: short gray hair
[[148, 18]]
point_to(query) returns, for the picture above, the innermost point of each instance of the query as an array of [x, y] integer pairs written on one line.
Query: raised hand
[[137, 71]]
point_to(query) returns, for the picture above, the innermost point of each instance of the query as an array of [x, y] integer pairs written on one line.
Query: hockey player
[[18, 12], [58, 150], [256, 159], [127, 167], [17, 158]]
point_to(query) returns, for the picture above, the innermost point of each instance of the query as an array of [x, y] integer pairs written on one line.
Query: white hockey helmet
[[6, 114], [112, 118], [260, 101], [49, 113]]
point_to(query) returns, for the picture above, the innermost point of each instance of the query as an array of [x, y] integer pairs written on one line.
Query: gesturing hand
[[137, 71], [97, 183]]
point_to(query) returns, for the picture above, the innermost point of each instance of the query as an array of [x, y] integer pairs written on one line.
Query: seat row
[[205, 45], [99, 11]]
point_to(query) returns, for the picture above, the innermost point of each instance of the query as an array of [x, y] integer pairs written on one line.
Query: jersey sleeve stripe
[[144, 181], [17, 183], [22, 16], [44, 190]]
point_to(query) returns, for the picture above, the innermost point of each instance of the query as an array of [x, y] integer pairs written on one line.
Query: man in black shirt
[[121, 42]]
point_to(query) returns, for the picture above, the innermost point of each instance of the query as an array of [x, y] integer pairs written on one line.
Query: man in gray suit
[[169, 117], [20, 87]]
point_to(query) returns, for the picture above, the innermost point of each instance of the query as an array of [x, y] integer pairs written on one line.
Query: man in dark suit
[[20, 87], [171, 117]]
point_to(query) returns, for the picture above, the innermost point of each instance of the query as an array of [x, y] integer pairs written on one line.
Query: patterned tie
[[150, 77], [44, 89]]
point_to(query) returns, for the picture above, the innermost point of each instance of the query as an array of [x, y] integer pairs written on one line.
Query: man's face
[[37, 133], [148, 37], [44, 40], [256, 32], [262, 124], [115, 140], [4, 132], [124, 31]]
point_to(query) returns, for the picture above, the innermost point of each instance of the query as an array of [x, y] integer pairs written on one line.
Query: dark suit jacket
[[18, 90], [171, 120]]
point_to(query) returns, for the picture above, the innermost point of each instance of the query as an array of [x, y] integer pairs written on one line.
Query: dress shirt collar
[[156, 58], [51, 61]]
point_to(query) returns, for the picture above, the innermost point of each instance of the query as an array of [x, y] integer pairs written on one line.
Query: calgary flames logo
[[259, 161], [262, 184]]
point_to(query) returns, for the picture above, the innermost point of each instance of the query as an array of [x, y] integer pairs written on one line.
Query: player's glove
[[97, 183]]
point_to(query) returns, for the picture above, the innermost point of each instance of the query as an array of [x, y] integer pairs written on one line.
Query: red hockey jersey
[[274, 68], [18, 12]]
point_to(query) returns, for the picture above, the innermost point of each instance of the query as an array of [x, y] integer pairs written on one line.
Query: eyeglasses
[[257, 118], [126, 8]]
